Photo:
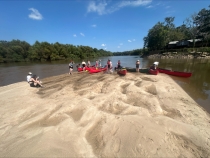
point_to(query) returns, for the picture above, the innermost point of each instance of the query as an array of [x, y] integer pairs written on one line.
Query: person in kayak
[[71, 67], [83, 65], [137, 65]]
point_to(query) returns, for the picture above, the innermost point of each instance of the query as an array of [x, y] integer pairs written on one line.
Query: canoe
[[122, 72], [153, 72], [142, 70], [175, 73]]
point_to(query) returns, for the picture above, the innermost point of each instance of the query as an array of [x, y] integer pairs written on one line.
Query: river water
[[197, 86]]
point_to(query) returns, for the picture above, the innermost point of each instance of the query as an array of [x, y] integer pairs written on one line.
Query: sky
[[112, 25]]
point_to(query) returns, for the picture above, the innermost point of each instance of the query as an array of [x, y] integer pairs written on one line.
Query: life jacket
[[108, 62]]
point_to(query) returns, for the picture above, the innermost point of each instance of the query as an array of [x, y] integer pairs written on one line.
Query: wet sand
[[97, 115]]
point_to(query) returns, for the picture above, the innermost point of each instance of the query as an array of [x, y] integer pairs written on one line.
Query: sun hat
[[30, 73], [137, 60]]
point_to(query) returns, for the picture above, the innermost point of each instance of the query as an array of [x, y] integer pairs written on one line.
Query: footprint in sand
[[124, 88], [116, 145]]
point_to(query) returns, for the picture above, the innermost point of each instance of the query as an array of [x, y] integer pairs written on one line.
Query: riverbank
[[85, 115], [179, 55]]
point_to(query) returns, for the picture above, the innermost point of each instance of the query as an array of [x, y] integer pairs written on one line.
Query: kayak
[[175, 73], [122, 72], [96, 70], [86, 68], [153, 72]]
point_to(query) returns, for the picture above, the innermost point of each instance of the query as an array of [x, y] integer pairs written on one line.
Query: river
[[197, 86]]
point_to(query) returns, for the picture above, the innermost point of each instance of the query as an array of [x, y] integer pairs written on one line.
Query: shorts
[[137, 66], [32, 85]]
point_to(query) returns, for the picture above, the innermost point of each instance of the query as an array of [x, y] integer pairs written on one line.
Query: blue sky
[[113, 25]]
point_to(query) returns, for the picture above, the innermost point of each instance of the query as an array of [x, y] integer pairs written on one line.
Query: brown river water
[[197, 86]]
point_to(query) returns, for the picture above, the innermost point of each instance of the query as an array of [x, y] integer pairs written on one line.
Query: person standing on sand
[[137, 65], [89, 64], [109, 66], [71, 67], [118, 64], [96, 64], [99, 62]]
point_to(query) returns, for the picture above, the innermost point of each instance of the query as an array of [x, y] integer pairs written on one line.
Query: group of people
[[33, 80], [153, 66], [83, 65]]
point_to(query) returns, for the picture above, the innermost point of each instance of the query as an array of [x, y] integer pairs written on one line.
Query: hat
[[30, 73], [137, 60]]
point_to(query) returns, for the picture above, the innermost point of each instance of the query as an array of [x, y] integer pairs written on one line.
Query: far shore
[[102, 115]]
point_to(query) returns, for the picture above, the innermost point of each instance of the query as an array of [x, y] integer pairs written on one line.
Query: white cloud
[[105, 48], [82, 34], [99, 8], [134, 40], [129, 41], [103, 45], [150, 6], [94, 25], [121, 44], [75, 35], [167, 7], [118, 46], [35, 14], [103, 8]]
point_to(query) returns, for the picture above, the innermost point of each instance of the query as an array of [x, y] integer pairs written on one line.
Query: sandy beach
[[102, 115]]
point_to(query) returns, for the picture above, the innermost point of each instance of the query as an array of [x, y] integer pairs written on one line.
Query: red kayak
[[175, 73], [122, 72], [153, 72], [96, 70]]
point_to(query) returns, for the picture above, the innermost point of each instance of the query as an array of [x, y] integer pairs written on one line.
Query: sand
[[102, 115]]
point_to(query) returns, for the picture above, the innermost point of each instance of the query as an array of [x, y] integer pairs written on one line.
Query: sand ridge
[[95, 115]]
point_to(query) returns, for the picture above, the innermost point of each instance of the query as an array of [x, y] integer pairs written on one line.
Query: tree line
[[18, 51], [132, 52], [193, 27]]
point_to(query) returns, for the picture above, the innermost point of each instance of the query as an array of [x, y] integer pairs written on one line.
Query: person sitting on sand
[[28, 77], [34, 81], [137, 65], [153, 67], [83, 65]]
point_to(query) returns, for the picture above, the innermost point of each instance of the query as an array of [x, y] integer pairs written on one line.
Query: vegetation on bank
[[17, 51], [197, 26]]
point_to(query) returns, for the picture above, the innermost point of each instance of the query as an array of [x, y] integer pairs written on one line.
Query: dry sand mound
[[97, 115]]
